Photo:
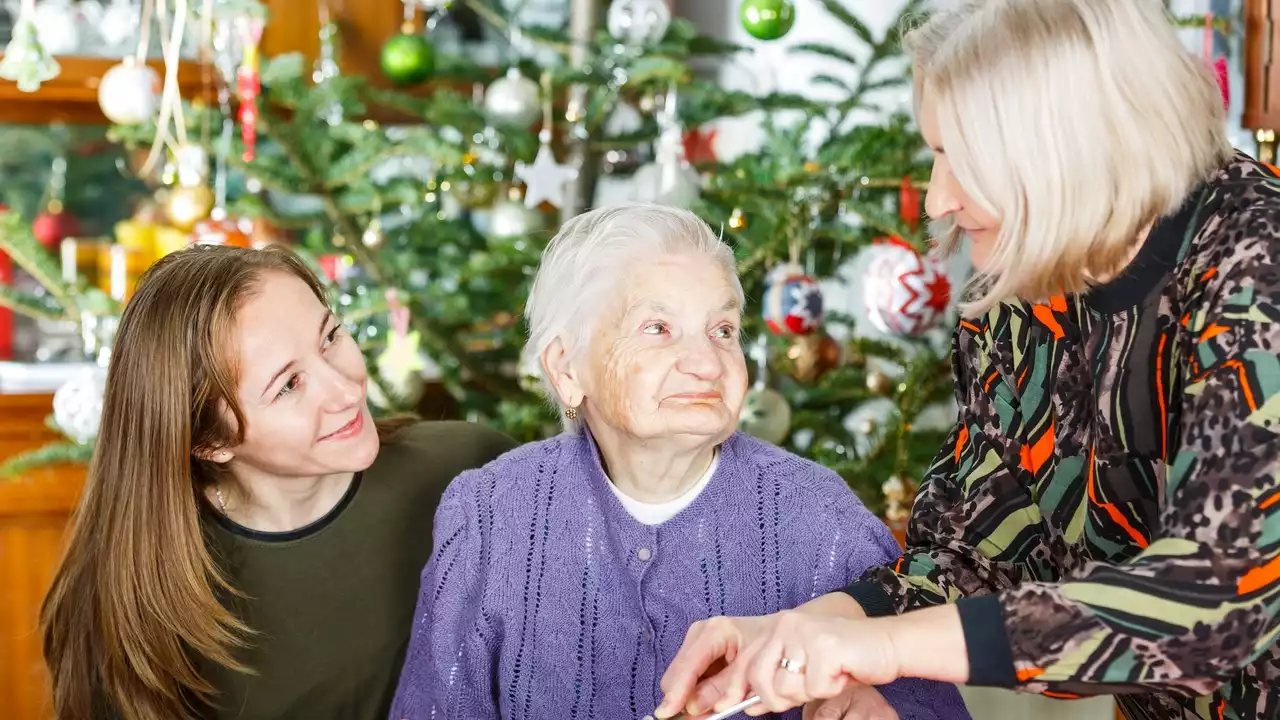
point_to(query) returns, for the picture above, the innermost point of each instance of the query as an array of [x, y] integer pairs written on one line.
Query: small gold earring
[[571, 413]]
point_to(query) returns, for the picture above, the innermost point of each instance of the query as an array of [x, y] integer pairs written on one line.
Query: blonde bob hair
[[1076, 122]]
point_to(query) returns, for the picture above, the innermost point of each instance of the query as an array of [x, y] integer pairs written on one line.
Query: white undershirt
[[658, 513]]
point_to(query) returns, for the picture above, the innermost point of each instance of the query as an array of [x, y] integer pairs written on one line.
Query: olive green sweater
[[332, 602]]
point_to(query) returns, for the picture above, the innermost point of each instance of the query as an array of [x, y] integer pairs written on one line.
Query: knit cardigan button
[[644, 554]]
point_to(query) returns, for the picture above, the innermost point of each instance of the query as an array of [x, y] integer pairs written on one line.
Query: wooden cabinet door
[[1261, 65], [363, 27], [33, 516]]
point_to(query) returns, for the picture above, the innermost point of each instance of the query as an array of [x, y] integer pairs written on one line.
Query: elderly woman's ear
[[562, 375]]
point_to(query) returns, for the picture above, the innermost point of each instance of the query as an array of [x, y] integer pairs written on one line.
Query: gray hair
[[586, 263]]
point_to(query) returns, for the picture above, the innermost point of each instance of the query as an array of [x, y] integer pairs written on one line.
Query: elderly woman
[[566, 573], [1105, 518]]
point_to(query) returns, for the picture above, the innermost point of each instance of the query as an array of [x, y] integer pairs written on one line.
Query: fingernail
[[662, 711], [693, 708]]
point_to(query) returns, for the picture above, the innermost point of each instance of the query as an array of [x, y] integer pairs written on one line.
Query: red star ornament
[[700, 146]]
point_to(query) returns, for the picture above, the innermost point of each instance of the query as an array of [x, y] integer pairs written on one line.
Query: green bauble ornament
[[768, 19], [408, 58]]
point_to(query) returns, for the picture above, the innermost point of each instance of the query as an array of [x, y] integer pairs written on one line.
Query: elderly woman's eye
[[656, 328], [725, 332]]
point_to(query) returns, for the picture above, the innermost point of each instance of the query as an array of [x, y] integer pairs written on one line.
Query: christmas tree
[[427, 207]]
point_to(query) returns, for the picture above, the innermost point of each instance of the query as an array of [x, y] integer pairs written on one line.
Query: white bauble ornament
[[666, 182], [509, 218], [77, 405], [766, 415], [129, 93], [512, 100], [905, 292], [638, 23], [624, 120]]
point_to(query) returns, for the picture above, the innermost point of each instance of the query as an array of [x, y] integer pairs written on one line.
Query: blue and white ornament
[[792, 301]]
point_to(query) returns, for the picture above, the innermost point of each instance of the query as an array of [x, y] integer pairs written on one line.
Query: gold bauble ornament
[[472, 194], [737, 219], [812, 356], [879, 383], [186, 206]]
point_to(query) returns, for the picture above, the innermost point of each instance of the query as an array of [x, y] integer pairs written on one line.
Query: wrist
[[836, 604], [929, 644]]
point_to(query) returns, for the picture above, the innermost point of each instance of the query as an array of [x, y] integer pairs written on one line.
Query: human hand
[[823, 653], [857, 702]]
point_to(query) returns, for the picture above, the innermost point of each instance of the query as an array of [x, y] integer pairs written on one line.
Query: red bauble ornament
[[792, 301], [52, 227], [905, 292]]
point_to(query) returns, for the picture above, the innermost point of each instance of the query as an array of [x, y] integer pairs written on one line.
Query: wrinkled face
[[667, 359], [301, 387], [947, 200]]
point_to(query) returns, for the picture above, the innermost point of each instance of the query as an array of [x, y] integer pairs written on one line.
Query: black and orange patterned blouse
[[1106, 513]]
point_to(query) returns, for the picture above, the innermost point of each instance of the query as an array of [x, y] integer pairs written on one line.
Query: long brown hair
[[134, 607]]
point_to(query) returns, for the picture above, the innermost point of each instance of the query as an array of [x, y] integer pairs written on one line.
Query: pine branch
[[503, 25], [826, 51], [32, 306], [20, 244], [58, 453], [438, 342]]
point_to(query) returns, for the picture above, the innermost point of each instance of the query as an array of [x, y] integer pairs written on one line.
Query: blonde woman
[[1105, 518]]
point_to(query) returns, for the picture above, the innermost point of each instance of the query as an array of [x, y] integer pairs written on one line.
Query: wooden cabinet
[[72, 97], [363, 27], [294, 26], [33, 516]]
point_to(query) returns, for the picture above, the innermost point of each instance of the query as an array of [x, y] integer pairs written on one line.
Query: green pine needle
[[32, 306], [17, 241], [58, 453]]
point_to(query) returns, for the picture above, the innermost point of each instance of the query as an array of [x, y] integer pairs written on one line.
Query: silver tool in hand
[[727, 713]]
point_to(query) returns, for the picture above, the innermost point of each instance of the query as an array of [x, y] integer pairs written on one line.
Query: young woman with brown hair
[[249, 540]]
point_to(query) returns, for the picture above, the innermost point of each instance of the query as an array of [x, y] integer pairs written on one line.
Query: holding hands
[[788, 659], [825, 655]]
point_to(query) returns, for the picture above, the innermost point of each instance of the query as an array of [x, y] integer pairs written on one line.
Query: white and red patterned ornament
[[905, 292], [792, 301]]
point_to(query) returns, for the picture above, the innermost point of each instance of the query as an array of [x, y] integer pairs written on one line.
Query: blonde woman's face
[[947, 200]]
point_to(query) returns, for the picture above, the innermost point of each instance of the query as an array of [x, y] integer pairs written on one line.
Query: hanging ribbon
[[171, 125], [1217, 65], [399, 315]]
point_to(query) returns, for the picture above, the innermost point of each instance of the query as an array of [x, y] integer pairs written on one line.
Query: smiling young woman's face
[[301, 388]]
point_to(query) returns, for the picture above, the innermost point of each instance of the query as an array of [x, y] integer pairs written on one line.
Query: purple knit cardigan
[[544, 599]]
